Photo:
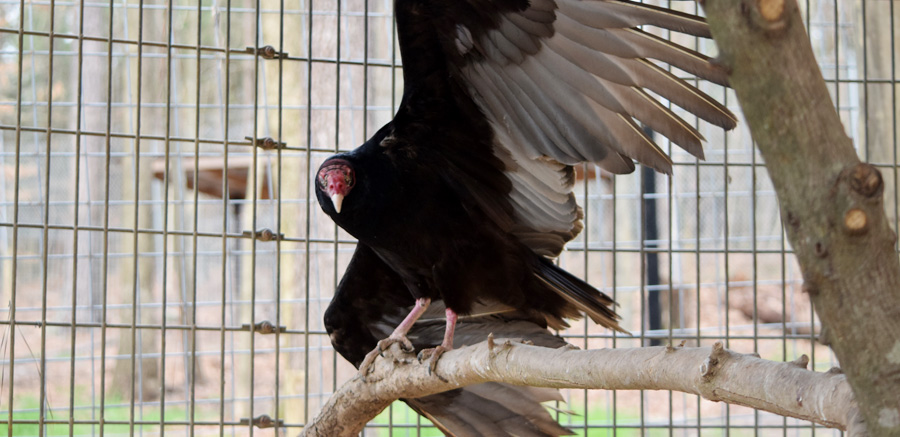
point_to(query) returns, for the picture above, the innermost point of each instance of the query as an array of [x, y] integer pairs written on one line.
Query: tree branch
[[831, 203], [714, 373]]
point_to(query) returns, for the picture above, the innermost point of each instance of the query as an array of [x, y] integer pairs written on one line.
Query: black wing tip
[[594, 303], [731, 123], [689, 23], [694, 147], [662, 167]]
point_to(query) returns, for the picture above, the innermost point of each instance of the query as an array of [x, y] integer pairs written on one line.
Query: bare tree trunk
[[874, 55], [713, 373], [831, 202]]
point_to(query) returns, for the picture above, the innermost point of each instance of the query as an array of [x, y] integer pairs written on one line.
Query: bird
[[355, 322], [466, 195]]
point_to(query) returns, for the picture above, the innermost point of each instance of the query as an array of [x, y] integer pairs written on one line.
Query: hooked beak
[[336, 200]]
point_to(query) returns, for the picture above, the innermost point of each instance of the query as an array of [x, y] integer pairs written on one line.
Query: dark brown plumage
[[467, 193], [356, 321]]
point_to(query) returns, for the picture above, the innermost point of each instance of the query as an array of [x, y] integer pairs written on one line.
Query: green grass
[[600, 415], [111, 413], [400, 414]]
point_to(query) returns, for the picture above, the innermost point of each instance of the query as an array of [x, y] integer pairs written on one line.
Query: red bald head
[[336, 179]]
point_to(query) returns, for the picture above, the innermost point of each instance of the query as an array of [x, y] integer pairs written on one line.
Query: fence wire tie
[[262, 422], [264, 234], [264, 327], [267, 52], [266, 143]]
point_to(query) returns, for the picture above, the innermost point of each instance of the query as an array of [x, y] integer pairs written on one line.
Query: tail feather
[[489, 409], [523, 403], [582, 295], [492, 408]]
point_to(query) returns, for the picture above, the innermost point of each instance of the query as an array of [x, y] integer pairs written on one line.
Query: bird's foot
[[382, 347], [432, 355]]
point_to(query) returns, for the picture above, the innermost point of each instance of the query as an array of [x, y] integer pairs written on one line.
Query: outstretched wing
[[370, 302], [557, 82]]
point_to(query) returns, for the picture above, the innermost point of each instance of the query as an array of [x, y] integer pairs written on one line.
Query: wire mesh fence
[[165, 268]]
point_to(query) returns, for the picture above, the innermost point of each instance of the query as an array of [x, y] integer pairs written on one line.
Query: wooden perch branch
[[714, 373], [831, 203]]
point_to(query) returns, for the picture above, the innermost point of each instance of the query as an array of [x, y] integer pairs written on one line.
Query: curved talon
[[382, 347], [432, 355], [364, 367], [385, 345]]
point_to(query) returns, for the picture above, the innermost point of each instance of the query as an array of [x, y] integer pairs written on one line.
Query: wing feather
[[544, 112], [642, 73], [533, 27], [496, 95], [559, 83], [626, 14], [626, 100], [635, 43], [505, 42], [527, 43], [610, 127], [493, 50]]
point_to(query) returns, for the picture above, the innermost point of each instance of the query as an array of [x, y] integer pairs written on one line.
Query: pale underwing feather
[[527, 43], [609, 127], [547, 116], [627, 100], [642, 73], [635, 43], [563, 82], [506, 46], [505, 120], [625, 14], [534, 28]]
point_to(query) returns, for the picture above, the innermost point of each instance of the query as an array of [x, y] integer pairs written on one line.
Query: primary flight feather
[[466, 194]]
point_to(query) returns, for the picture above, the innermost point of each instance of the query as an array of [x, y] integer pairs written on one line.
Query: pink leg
[[451, 327], [407, 323], [398, 336], [435, 353]]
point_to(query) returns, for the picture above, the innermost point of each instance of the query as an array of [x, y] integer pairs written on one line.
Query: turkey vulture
[[466, 194], [356, 321]]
